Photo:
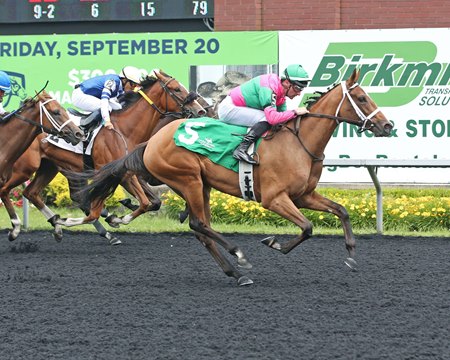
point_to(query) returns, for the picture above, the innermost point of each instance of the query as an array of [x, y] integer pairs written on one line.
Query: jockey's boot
[[255, 132]]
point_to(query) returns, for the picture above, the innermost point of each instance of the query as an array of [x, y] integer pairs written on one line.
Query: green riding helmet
[[296, 75]]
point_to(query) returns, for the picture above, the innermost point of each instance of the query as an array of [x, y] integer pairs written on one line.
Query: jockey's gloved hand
[[108, 124], [301, 111]]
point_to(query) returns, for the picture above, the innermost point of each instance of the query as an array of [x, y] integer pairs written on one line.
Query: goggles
[[299, 85]]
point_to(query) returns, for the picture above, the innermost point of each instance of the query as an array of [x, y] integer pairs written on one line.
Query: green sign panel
[[66, 60]]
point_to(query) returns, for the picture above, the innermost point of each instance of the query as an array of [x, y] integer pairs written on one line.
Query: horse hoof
[[271, 242], [182, 216], [244, 280], [244, 263], [12, 236], [115, 241], [351, 263], [113, 221], [57, 237]]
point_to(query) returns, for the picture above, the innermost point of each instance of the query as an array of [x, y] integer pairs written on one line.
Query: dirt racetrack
[[161, 296]]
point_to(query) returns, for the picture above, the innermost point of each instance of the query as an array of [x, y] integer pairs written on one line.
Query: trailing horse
[[290, 165], [18, 129]]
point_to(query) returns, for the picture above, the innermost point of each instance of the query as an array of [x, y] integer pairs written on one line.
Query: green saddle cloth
[[211, 138]]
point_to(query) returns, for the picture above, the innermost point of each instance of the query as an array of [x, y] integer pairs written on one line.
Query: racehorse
[[161, 95], [290, 165], [19, 128]]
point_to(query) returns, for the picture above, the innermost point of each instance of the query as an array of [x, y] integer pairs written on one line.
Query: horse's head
[[52, 117], [357, 104], [177, 99]]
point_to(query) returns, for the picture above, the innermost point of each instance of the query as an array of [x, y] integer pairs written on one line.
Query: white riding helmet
[[133, 74]]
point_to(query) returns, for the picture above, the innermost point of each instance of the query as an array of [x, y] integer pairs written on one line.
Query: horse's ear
[[353, 77]]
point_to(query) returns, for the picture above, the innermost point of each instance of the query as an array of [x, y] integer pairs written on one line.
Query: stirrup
[[247, 158]]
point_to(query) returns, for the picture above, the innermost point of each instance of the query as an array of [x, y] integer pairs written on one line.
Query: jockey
[[260, 103], [101, 92], [5, 86]]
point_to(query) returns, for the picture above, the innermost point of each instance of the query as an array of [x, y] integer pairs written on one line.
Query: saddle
[[88, 121]]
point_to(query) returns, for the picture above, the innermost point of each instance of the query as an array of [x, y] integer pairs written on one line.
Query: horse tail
[[105, 181]]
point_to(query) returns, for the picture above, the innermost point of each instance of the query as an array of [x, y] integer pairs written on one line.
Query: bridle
[[57, 128], [191, 97], [364, 122]]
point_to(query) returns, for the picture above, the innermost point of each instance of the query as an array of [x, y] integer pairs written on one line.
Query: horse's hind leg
[[199, 215], [226, 266]]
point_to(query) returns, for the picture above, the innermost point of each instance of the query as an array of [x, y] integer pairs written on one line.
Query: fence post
[[26, 209]]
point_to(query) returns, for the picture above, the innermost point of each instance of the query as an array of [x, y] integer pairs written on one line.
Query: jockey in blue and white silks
[[101, 92]]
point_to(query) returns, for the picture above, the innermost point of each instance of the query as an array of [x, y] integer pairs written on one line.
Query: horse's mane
[[130, 97], [317, 95], [28, 102], [312, 100], [32, 100]]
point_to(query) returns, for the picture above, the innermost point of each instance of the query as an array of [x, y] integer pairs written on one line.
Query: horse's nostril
[[388, 128], [202, 112]]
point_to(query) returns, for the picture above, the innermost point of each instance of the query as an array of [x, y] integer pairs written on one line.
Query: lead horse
[[290, 165], [161, 96]]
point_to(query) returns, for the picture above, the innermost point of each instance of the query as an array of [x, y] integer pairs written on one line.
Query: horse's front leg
[[283, 206], [155, 201], [15, 220], [85, 207], [93, 216], [315, 201], [44, 175], [133, 186]]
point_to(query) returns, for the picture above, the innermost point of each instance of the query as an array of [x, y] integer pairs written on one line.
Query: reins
[[364, 123], [180, 102]]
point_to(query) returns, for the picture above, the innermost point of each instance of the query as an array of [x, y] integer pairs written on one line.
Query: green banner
[[66, 60]]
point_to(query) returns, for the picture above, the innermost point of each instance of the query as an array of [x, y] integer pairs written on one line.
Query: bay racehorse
[[290, 165], [18, 129], [161, 96]]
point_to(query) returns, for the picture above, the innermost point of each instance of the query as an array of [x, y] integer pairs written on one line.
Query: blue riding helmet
[[5, 82]]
